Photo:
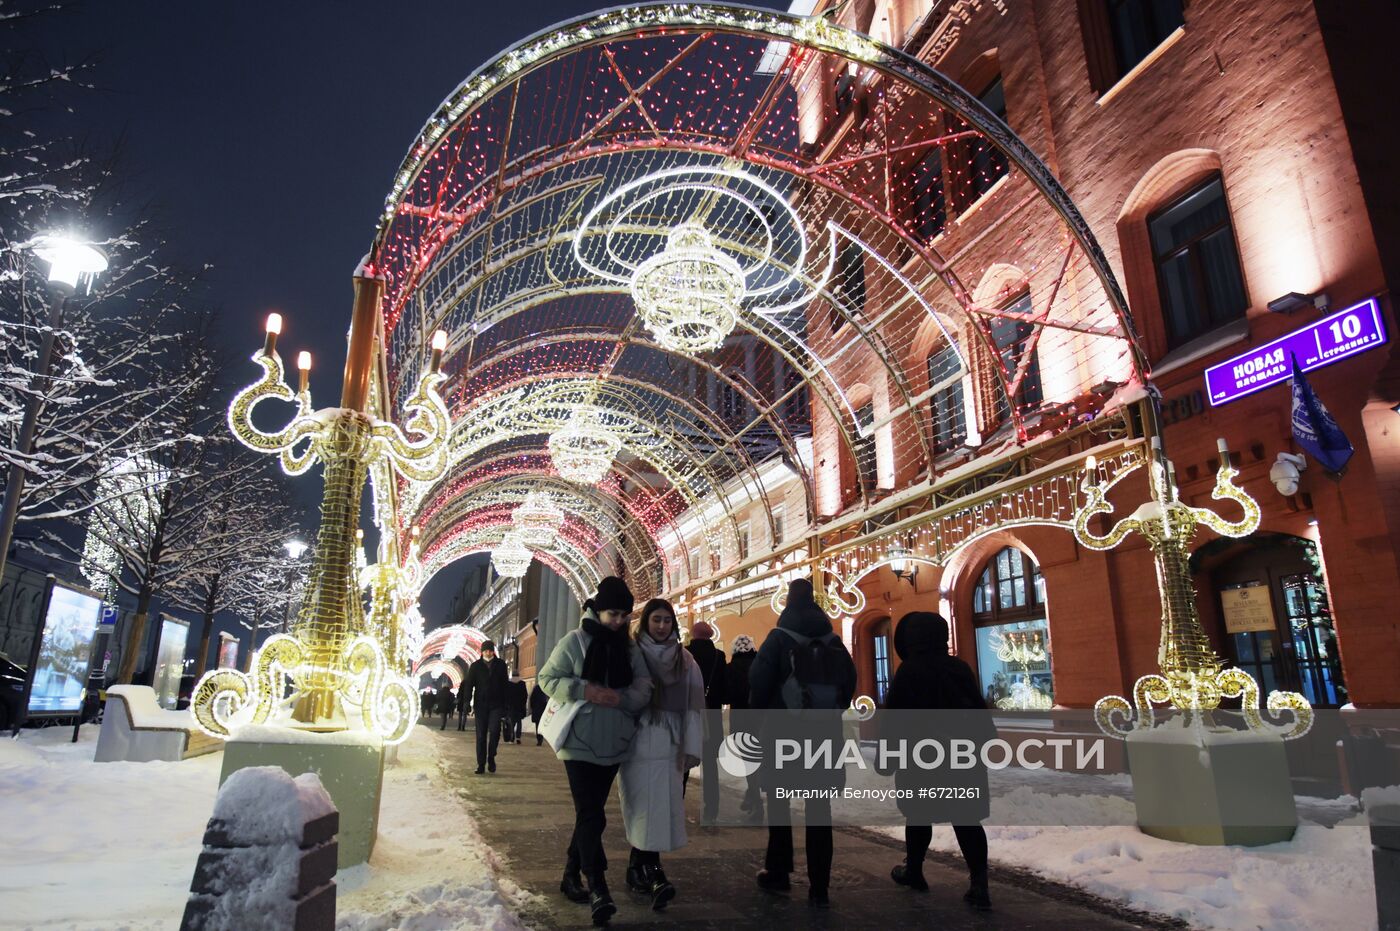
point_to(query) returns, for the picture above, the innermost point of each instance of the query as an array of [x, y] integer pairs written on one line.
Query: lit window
[[946, 404], [1011, 337], [1013, 635], [1139, 26], [930, 208], [1198, 267]]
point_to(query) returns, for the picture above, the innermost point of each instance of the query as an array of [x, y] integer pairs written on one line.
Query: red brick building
[[1225, 155]]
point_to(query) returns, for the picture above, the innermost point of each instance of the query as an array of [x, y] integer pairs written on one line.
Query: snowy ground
[[1320, 881], [112, 846]]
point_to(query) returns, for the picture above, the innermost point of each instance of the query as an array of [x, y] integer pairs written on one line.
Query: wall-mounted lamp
[[1294, 301], [901, 565]]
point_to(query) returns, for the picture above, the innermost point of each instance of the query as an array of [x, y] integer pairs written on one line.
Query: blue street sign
[[1331, 339]]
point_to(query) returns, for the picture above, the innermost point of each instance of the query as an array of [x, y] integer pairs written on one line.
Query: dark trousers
[[590, 784], [972, 841], [709, 766], [488, 734], [519, 725], [462, 718], [819, 839]]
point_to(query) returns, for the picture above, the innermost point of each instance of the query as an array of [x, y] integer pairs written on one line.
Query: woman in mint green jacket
[[596, 663]]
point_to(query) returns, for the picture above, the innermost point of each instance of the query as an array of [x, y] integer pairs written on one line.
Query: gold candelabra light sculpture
[[331, 656], [1193, 678], [1022, 648]]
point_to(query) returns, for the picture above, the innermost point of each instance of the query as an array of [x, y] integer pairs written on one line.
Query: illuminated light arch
[[465, 640], [496, 201], [440, 667]]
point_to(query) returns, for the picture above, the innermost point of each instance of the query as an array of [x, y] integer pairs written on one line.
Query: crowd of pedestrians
[[629, 704]]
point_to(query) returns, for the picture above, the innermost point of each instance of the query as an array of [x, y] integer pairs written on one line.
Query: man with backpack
[[803, 666], [712, 670]]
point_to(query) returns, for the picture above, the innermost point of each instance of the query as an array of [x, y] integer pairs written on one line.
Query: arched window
[[1013, 636]]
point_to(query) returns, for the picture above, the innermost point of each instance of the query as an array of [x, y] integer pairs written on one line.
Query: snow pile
[[266, 809], [97, 845], [431, 870], [1319, 881], [106, 846], [265, 805]]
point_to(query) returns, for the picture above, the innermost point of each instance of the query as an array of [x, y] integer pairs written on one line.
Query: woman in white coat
[[669, 738]]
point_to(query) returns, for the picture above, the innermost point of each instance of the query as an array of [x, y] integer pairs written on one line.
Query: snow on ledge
[[274, 734]]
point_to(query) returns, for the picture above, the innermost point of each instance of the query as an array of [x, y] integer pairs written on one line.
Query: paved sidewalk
[[525, 815]]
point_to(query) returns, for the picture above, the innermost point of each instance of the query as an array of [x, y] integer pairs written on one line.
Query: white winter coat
[[653, 809]]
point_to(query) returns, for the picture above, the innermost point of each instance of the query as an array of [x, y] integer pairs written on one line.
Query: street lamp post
[[295, 548], [71, 264]]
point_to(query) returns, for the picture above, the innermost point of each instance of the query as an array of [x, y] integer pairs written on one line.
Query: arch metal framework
[[523, 215]]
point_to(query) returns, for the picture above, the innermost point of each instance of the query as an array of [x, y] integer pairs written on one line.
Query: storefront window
[[1013, 635]]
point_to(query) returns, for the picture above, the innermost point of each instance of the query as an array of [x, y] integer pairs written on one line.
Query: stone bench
[[136, 729]]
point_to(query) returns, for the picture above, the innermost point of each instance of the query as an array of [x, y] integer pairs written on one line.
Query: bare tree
[[159, 527], [253, 518], [104, 386], [270, 595]]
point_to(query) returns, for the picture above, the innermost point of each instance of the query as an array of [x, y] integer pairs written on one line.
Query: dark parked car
[[12, 678]]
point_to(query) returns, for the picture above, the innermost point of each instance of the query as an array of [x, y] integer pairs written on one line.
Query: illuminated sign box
[[1329, 340]]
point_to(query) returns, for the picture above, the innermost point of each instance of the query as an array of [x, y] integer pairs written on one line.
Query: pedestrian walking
[[445, 700], [670, 735], [929, 678], [803, 665], [598, 664], [519, 700], [425, 703], [712, 669], [485, 685], [463, 707], [742, 719], [538, 702]]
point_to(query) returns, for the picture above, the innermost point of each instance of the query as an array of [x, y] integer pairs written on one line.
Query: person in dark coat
[[736, 691], [538, 702], [801, 621], [928, 678], [519, 699], [463, 708], [486, 685], [426, 699], [444, 700], [713, 671]]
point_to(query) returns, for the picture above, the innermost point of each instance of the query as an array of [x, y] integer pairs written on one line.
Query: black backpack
[[819, 670]]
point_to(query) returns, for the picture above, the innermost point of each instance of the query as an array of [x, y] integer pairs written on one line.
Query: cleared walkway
[[526, 816]]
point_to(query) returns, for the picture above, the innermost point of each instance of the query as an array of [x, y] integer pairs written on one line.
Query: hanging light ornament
[[584, 449], [689, 294], [453, 647], [537, 519], [512, 557]]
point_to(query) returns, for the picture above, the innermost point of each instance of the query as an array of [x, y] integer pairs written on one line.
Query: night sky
[[266, 135]]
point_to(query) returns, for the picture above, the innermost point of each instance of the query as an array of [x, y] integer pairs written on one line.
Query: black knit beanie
[[800, 593], [613, 595]]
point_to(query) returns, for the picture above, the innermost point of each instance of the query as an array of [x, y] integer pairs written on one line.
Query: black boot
[[773, 881], [572, 887], [911, 876], [818, 898], [601, 903], [635, 879], [662, 892], [976, 894]]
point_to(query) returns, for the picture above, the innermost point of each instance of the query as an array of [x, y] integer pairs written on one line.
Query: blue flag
[[1314, 429]]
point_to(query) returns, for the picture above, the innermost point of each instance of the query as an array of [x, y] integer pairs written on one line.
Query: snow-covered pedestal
[[350, 764], [1207, 786], [268, 858]]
